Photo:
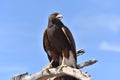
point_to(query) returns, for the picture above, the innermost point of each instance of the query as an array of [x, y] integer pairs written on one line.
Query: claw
[[60, 67], [48, 66]]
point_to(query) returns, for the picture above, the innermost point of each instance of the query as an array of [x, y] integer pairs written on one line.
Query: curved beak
[[59, 16]]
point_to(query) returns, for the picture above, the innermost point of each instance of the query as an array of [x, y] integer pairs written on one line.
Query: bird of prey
[[59, 43]]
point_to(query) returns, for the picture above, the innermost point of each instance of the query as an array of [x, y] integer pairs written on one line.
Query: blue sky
[[95, 25]]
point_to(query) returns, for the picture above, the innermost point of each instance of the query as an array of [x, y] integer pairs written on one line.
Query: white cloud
[[109, 47]]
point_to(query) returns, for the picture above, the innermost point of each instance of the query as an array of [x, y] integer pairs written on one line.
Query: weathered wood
[[87, 63], [65, 71], [53, 73], [20, 76], [80, 52]]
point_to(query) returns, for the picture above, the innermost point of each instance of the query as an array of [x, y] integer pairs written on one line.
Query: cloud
[[109, 47]]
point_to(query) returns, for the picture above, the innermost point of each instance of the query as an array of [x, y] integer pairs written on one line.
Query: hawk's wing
[[69, 37], [45, 40], [50, 50], [46, 44]]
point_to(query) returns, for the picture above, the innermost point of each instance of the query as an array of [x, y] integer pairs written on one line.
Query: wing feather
[[69, 36], [46, 45]]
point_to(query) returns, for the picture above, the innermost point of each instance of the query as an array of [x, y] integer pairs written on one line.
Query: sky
[[95, 25]]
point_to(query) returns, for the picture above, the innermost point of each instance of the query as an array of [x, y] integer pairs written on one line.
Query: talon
[[60, 67], [46, 68]]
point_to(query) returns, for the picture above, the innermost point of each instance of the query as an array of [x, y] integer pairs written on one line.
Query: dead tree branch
[[87, 63], [53, 73], [80, 52]]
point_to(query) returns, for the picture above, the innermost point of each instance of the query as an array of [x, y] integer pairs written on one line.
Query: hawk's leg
[[48, 66], [63, 64], [64, 59]]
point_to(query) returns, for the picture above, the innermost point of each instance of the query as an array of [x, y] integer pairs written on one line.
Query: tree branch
[[53, 73], [80, 52], [87, 63]]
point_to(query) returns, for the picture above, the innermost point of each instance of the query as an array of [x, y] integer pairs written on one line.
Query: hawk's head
[[55, 15]]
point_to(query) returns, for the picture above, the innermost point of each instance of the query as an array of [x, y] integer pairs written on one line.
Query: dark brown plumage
[[58, 43]]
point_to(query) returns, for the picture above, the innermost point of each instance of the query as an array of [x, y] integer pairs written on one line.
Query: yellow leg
[[48, 66], [63, 64]]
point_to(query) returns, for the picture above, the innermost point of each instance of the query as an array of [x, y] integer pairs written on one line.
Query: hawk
[[59, 43]]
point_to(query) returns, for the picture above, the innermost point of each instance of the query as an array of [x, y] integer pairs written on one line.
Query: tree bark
[[56, 74]]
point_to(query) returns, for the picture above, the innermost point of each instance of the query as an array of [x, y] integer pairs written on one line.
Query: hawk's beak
[[59, 16]]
